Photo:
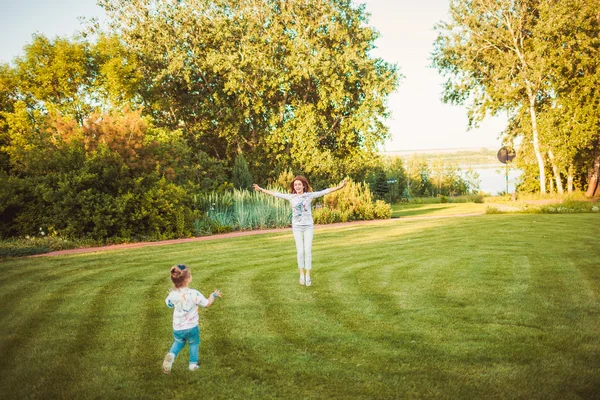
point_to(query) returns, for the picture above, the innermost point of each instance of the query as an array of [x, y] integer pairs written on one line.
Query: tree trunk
[[556, 172], [536, 141], [594, 179], [570, 179]]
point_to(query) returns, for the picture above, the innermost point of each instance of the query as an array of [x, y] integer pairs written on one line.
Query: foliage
[[246, 210], [57, 76], [43, 242], [418, 176], [240, 210], [285, 178], [549, 206], [242, 178], [381, 186], [107, 180], [538, 62], [286, 83], [382, 210], [352, 203]]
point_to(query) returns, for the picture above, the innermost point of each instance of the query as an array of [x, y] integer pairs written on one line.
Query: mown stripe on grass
[[59, 315], [403, 311]]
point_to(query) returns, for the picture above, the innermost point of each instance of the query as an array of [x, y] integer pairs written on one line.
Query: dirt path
[[234, 234]]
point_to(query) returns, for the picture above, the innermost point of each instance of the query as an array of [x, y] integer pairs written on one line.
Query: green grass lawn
[[436, 209], [484, 307]]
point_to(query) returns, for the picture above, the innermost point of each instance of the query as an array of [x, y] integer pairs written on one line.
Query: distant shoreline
[[439, 151], [465, 157]]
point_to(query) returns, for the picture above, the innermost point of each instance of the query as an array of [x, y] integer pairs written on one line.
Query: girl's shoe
[[308, 282], [194, 367], [302, 279], [168, 362]]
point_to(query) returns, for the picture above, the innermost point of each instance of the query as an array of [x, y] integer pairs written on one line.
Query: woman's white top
[[301, 205]]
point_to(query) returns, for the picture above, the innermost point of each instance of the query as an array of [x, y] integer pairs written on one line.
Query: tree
[[438, 179], [537, 60], [381, 186], [290, 83], [418, 176], [394, 167], [472, 181], [8, 97], [573, 117], [242, 178], [57, 76], [118, 82], [489, 51]]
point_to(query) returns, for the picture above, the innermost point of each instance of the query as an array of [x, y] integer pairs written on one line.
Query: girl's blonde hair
[[180, 275]]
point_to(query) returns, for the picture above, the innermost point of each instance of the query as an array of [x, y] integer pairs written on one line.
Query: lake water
[[493, 177]]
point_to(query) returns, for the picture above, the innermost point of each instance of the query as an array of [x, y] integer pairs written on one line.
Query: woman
[[302, 221]]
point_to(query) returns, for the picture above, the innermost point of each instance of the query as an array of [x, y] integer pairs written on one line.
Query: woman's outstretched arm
[[259, 189], [340, 186]]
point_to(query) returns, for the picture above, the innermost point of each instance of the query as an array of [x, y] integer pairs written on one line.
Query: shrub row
[[246, 210], [86, 205]]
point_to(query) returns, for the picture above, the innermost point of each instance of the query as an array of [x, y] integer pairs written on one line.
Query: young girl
[[301, 198], [185, 302]]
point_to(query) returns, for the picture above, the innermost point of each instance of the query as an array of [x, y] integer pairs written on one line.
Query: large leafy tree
[[8, 97], [57, 76], [572, 30], [289, 83], [537, 60], [489, 52]]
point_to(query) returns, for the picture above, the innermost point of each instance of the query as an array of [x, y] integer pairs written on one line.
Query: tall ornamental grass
[[246, 210], [241, 210]]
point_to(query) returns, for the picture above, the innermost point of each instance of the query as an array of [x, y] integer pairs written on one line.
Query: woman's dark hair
[[304, 181], [179, 275]]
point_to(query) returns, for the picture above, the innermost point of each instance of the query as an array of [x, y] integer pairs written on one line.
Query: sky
[[419, 119]]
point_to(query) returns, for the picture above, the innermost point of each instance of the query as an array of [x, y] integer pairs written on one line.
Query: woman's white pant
[[303, 235]]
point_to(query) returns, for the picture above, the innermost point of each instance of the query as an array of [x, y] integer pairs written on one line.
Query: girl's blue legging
[[192, 337]]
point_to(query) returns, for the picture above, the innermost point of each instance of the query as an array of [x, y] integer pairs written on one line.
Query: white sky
[[419, 119]]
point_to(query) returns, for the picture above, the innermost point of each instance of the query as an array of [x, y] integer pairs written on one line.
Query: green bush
[[112, 180], [352, 203], [566, 207], [326, 215], [382, 210], [97, 205]]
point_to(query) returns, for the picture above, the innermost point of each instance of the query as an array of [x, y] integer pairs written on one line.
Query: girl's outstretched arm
[[213, 296]]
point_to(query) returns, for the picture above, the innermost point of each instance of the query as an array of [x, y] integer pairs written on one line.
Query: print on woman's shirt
[[301, 208]]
